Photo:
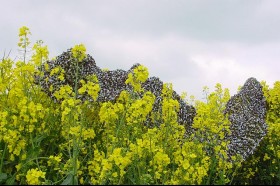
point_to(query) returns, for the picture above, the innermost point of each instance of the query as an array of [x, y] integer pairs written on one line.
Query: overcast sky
[[189, 43]]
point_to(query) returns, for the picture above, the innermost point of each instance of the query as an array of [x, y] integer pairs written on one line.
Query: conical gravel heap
[[246, 111]]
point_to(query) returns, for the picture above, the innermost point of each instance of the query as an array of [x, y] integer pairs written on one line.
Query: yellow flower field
[[70, 141]]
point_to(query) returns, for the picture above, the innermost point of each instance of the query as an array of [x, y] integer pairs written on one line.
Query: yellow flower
[[24, 31], [47, 67], [79, 52], [75, 131], [83, 89], [186, 164], [107, 113], [140, 108], [40, 53], [61, 77], [71, 102], [82, 181], [266, 157], [33, 176], [161, 160], [192, 155], [88, 134], [55, 71], [115, 174], [140, 75], [18, 167]]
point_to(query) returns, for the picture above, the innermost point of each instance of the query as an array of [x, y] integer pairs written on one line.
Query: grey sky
[[190, 43]]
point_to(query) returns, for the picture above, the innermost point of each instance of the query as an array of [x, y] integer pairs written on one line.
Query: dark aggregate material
[[246, 110]]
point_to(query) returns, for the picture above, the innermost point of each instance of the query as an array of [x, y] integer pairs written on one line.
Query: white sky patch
[[227, 71], [268, 8], [124, 52], [220, 70]]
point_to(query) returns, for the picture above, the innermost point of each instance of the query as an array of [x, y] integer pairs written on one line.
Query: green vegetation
[[75, 142]]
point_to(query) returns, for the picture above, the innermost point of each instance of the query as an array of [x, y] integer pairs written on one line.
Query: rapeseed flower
[[139, 75], [79, 52], [34, 176]]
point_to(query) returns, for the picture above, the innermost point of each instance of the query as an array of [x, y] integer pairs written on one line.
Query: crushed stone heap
[[246, 111], [111, 83]]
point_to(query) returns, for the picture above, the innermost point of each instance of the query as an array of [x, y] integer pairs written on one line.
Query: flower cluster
[[140, 75], [79, 52], [33, 176]]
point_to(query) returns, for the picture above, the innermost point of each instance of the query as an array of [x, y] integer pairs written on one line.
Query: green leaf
[[68, 180], [11, 181], [3, 176], [39, 139]]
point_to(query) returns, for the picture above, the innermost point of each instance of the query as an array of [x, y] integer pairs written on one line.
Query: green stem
[[76, 79], [25, 45], [75, 142], [74, 162], [2, 159], [33, 147]]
